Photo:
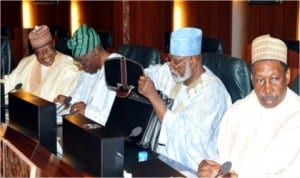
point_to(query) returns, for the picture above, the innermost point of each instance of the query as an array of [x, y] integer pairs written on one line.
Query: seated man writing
[[91, 97]]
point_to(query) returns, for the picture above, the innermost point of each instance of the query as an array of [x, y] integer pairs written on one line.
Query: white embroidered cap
[[265, 47]]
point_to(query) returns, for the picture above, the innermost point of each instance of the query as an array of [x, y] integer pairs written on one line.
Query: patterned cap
[[266, 47], [39, 36], [84, 40], [186, 42]]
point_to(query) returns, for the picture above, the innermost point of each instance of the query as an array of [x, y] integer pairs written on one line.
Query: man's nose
[[268, 87]]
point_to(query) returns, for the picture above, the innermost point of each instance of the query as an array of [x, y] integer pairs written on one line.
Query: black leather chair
[[59, 31], [6, 59], [296, 85], [233, 72], [212, 45], [61, 46], [144, 55], [292, 45], [106, 39], [62, 35]]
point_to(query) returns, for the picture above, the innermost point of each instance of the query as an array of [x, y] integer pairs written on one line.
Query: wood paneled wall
[[150, 20], [53, 13], [11, 14], [213, 17], [278, 20]]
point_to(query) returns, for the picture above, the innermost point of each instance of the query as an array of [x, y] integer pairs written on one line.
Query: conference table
[[51, 165]]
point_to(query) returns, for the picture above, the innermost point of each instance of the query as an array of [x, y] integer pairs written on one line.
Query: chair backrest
[[144, 55], [296, 85], [106, 39], [212, 45], [59, 31], [233, 72], [6, 59], [61, 46], [292, 45]]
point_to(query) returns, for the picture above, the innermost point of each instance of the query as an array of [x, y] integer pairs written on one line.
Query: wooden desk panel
[[47, 162]]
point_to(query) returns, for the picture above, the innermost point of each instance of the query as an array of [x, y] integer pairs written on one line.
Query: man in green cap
[[91, 96]]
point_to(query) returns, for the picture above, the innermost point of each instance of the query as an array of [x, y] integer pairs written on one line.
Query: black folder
[[131, 109]]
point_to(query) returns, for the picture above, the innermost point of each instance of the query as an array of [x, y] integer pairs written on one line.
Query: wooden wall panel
[[53, 13], [149, 22], [118, 23], [97, 14], [278, 20], [11, 13], [214, 18]]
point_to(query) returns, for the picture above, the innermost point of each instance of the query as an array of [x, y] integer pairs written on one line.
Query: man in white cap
[[260, 133], [189, 128], [46, 73]]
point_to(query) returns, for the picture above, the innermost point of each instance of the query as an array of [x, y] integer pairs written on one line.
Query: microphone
[[66, 102], [17, 87], [225, 168], [135, 132]]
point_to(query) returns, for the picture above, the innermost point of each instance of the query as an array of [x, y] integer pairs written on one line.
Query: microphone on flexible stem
[[17, 87], [66, 102], [135, 132]]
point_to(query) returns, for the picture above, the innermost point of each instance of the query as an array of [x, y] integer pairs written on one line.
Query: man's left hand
[[78, 108]]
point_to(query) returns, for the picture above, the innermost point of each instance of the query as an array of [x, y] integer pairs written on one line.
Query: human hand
[[231, 175], [60, 99], [208, 169], [146, 87], [212, 169], [78, 108]]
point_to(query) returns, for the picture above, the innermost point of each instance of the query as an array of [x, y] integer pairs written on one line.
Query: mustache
[[268, 97]]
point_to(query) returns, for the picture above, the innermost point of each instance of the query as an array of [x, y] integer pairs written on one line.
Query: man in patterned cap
[[189, 129], [46, 73], [91, 97], [260, 133]]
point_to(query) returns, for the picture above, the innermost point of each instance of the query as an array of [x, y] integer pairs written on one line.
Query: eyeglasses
[[172, 63], [81, 60]]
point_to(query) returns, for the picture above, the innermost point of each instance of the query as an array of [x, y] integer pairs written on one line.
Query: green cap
[[84, 40]]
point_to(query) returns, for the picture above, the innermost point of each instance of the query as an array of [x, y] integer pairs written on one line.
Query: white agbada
[[190, 128], [58, 79], [262, 142], [93, 91]]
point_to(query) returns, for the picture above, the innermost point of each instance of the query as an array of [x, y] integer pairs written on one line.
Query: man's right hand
[[60, 99], [210, 169]]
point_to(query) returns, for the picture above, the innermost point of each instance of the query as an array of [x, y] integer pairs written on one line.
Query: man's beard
[[187, 74]]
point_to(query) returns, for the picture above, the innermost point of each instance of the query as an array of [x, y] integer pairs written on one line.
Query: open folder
[[131, 109], [122, 75]]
